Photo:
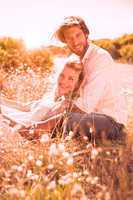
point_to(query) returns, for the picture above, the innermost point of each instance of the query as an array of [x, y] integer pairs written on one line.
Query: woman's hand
[[58, 108]]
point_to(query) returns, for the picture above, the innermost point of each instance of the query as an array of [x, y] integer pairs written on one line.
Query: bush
[[12, 54]]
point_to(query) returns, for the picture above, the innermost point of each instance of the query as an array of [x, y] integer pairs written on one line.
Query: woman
[[67, 85]]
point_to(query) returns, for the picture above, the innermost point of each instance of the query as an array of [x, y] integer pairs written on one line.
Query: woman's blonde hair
[[78, 67]]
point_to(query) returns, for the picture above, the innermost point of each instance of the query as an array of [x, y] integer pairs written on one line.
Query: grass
[[52, 169]]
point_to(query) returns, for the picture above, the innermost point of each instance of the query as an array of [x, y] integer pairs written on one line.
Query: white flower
[[61, 147], [107, 196], [22, 193], [29, 173], [41, 157], [50, 166], [30, 157], [85, 172], [66, 155], [94, 153], [91, 130], [31, 131], [68, 138], [70, 161], [76, 188], [53, 150], [75, 175], [44, 138], [14, 191], [35, 177], [89, 146], [14, 167], [71, 134], [108, 153], [65, 179], [1, 133], [19, 168], [51, 185], [85, 138], [39, 163], [89, 179], [60, 162], [94, 180]]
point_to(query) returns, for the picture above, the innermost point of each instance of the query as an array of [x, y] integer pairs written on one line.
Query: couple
[[100, 104]]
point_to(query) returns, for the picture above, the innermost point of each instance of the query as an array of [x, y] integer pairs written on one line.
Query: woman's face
[[67, 80]]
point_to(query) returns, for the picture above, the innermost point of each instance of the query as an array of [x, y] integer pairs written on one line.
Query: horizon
[[26, 19]]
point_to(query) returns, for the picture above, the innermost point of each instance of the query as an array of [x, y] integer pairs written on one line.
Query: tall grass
[[70, 169]]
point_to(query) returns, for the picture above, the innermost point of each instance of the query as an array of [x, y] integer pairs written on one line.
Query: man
[[100, 96]]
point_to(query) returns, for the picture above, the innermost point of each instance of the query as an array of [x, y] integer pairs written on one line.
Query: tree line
[[14, 56]]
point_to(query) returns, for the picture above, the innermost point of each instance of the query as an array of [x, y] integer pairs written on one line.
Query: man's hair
[[69, 22]]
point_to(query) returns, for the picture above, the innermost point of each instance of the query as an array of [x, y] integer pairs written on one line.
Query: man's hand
[[58, 108]]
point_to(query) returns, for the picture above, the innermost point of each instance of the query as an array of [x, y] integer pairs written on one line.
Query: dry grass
[[52, 169]]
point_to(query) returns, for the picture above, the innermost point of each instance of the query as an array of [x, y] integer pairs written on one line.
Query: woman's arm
[[15, 104]]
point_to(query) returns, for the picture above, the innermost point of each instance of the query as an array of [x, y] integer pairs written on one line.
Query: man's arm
[[92, 93]]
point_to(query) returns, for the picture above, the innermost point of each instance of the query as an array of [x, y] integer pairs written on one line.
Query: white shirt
[[101, 90]]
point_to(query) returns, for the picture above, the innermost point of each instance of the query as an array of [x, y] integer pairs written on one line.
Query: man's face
[[67, 81], [76, 40]]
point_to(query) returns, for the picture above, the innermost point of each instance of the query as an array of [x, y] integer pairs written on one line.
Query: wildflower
[[44, 138], [30, 157], [40, 156], [38, 163], [70, 161], [46, 179], [65, 179], [31, 131], [22, 193], [68, 138], [108, 153], [1, 133], [66, 155], [60, 162], [85, 138], [76, 188], [29, 173], [107, 196], [71, 134], [85, 172], [53, 150], [19, 168], [14, 192], [14, 167], [94, 153], [91, 130], [35, 177], [51, 185], [61, 147], [75, 175], [94, 180], [89, 146], [50, 166], [78, 191], [89, 179]]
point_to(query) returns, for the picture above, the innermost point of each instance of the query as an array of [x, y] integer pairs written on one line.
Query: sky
[[34, 21]]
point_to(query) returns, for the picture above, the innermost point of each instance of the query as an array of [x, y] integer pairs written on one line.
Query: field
[[56, 169]]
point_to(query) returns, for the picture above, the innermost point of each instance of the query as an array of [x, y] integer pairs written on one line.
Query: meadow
[[56, 169]]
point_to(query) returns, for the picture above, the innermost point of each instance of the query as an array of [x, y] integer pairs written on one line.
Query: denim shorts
[[94, 125]]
